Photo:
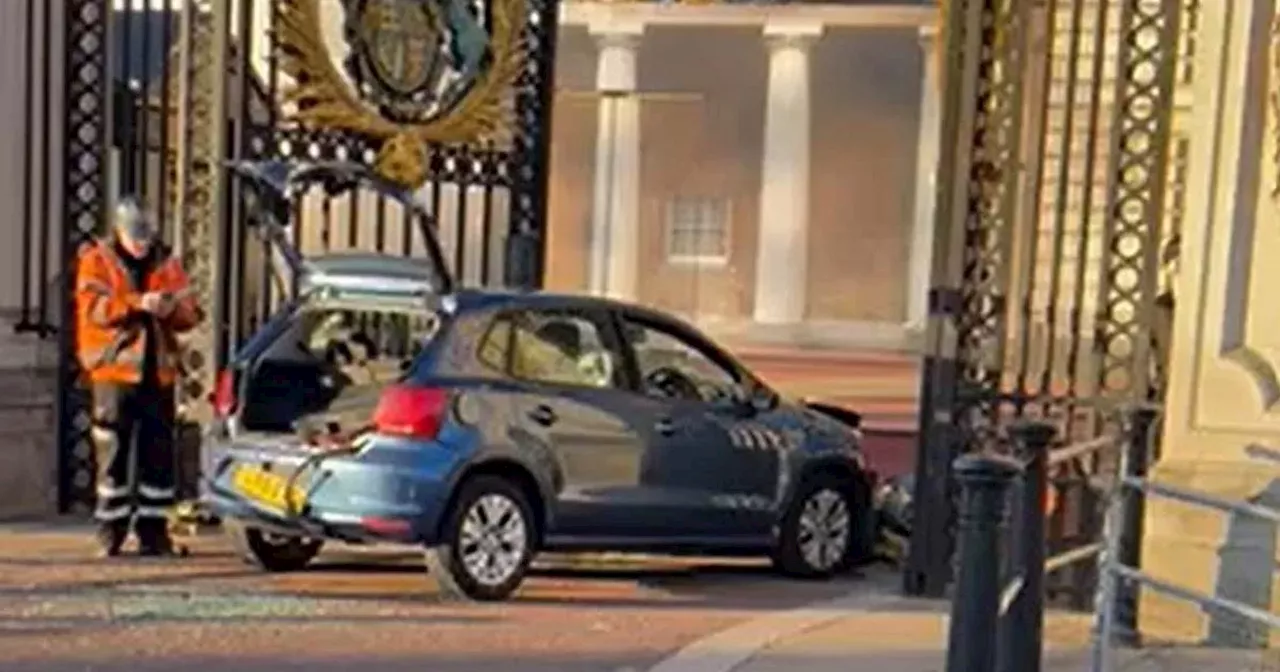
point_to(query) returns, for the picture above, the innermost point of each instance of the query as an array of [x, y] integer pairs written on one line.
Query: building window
[[698, 231]]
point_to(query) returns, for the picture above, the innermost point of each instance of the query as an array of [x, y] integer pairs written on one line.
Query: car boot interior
[[326, 369]]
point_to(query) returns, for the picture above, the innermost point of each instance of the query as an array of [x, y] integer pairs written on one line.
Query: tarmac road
[[62, 609]]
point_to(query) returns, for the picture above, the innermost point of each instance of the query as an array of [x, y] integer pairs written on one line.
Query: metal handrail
[[1013, 588], [1117, 571], [1058, 456], [1071, 557], [1075, 451], [1174, 590], [1201, 499]]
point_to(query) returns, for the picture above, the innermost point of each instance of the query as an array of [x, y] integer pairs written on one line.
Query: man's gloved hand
[[160, 304], [168, 303], [152, 302]]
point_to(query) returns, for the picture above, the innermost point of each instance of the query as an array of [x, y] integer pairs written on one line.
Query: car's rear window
[[365, 343]]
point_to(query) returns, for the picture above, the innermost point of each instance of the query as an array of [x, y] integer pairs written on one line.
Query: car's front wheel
[[488, 541], [274, 553], [816, 537]]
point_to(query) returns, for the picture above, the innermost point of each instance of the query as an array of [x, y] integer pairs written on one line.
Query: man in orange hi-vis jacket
[[132, 300]]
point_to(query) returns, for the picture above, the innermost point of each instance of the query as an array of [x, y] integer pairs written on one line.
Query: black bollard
[[1140, 423], [984, 485], [1022, 628]]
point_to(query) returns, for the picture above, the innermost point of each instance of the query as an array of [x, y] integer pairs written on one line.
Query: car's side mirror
[[761, 398], [754, 398]]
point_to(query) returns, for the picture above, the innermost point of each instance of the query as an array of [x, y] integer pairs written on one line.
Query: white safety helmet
[[133, 221]]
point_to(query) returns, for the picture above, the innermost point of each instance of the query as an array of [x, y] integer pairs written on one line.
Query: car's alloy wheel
[[493, 539], [815, 537], [825, 526], [488, 541], [272, 552]]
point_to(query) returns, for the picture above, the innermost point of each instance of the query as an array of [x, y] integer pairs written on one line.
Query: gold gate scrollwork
[[322, 98]]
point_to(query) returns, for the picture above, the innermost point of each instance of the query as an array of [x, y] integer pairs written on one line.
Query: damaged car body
[[383, 403]]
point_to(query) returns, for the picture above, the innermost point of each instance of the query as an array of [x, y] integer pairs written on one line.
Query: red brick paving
[[61, 609]]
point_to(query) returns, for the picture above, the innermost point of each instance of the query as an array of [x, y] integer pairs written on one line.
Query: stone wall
[[27, 452]]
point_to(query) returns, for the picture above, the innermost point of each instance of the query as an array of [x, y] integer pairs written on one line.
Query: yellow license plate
[[267, 488]]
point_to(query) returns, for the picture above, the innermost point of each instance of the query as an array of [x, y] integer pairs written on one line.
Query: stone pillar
[[615, 221], [920, 256], [782, 249], [1221, 420], [16, 46]]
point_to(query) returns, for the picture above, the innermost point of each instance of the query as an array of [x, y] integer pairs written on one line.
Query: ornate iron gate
[[1051, 211], [159, 93]]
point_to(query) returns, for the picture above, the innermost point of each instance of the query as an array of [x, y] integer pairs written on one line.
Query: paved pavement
[[885, 633], [61, 609]]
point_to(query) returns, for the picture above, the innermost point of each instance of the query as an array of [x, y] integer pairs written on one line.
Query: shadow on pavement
[[656, 584], [86, 560], [477, 663], [28, 625], [708, 587], [1156, 660], [164, 579]]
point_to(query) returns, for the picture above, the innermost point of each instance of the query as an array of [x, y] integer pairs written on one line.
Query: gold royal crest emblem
[[398, 42], [415, 72]]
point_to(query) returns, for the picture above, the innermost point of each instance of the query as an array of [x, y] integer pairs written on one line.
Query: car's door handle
[[664, 426], [543, 415]]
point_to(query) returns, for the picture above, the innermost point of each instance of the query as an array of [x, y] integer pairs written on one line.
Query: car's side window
[[495, 348], [672, 367], [556, 347]]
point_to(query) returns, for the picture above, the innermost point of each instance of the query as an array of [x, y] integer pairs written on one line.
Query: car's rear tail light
[[387, 527], [410, 411], [223, 396]]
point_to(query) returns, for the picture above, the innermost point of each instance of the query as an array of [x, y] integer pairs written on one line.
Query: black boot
[[153, 538], [110, 537]]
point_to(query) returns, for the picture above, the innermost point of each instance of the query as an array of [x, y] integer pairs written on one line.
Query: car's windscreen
[[330, 363]]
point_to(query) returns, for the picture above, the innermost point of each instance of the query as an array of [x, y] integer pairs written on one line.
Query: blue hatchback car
[[384, 404]]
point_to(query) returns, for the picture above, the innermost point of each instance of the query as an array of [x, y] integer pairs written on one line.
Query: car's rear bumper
[[233, 506], [315, 523], [348, 497]]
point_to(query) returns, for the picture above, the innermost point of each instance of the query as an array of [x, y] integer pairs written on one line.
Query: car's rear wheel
[[818, 534], [487, 542], [272, 552]]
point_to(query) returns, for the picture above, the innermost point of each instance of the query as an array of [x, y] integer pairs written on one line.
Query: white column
[[782, 249], [920, 256], [615, 220]]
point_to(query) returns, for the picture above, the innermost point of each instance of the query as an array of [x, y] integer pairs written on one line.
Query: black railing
[[994, 629]]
